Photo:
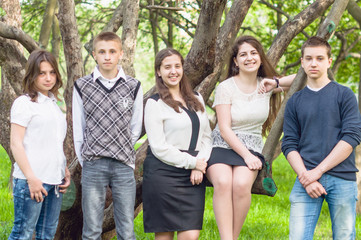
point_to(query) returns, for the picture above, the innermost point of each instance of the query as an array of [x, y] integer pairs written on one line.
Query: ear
[[235, 61], [121, 55], [94, 55], [329, 62], [158, 73], [302, 62]]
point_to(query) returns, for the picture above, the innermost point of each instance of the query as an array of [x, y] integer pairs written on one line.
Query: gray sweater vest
[[108, 113]]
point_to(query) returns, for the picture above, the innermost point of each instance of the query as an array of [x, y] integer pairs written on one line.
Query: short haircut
[[107, 36], [316, 42]]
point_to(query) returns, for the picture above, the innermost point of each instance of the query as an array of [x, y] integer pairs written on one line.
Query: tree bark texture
[[293, 26], [129, 35]]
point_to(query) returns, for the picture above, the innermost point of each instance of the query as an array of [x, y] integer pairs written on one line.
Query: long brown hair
[[185, 88], [32, 71], [266, 70]]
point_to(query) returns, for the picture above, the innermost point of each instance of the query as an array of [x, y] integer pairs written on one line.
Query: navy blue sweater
[[315, 122]]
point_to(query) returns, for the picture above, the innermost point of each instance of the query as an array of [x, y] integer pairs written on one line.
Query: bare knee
[[241, 188], [188, 235]]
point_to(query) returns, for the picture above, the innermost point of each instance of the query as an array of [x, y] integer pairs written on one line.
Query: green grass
[[6, 203], [267, 219]]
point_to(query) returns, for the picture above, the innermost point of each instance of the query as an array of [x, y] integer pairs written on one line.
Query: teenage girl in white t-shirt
[[38, 129]]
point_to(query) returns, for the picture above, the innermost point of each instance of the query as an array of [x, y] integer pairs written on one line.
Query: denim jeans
[[341, 198], [96, 176], [31, 215]]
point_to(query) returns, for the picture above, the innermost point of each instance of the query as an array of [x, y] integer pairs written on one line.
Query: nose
[[313, 62], [172, 70], [48, 76], [107, 55]]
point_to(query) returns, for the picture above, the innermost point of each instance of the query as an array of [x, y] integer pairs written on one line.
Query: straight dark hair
[[32, 71], [185, 88], [266, 70], [316, 41]]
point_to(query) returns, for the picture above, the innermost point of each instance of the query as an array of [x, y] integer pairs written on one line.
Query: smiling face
[[108, 54], [315, 62], [171, 71], [46, 79], [248, 58]]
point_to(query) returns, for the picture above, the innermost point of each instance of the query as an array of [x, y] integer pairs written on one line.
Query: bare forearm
[[338, 154], [296, 162], [22, 160]]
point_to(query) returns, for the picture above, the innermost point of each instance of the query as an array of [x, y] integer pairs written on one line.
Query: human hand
[[201, 165], [267, 85], [66, 183], [36, 189], [315, 189], [253, 162], [196, 177], [310, 176]]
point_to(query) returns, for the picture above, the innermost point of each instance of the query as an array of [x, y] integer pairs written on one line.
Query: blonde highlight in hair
[[32, 71]]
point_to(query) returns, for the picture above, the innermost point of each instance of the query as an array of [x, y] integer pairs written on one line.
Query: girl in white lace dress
[[246, 105]]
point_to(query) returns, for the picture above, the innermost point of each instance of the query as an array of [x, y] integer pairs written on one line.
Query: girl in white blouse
[[38, 129], [246, 105], [180, 143]]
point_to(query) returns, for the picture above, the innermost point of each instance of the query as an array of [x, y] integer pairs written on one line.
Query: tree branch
[[11, 32]]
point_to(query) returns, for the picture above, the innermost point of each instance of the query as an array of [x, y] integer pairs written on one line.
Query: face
[[315, 62], [248, 58], [46, 78], [171, 71], [108, 54]]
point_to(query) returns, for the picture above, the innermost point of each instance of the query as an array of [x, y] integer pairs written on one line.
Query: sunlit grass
[[267, 219]]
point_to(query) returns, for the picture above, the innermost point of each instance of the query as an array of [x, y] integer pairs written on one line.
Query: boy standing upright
[[322, 126], [107, 121]]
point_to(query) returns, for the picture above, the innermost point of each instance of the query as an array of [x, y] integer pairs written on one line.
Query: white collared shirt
[[44, 136], [79, 117]]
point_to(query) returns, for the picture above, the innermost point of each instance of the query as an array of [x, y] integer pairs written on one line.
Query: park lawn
[[267, 218]]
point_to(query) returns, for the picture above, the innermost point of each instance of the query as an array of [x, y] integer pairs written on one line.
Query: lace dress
[[248, 113]]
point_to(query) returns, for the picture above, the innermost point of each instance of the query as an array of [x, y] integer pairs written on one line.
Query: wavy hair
[[185, 88], [266, 70], [32, 71]]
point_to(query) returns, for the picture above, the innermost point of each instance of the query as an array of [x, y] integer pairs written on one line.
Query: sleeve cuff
[[350, 141]]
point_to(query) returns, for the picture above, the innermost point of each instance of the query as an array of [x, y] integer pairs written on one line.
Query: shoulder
[[22, 100], [84, 79], [226, 83], [132, 80], [155, 97]]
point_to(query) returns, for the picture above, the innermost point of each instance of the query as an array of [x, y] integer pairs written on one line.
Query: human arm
[[196, 177], [350, 137], [17, 133], [154, 126], [268, 84], [78, 124], [66, 182], [137, 117]]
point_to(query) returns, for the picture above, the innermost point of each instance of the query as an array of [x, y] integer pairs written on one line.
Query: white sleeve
[[223, 95], [20, 112], [78, 124], [206, 138], [160, 148], [137, 118]]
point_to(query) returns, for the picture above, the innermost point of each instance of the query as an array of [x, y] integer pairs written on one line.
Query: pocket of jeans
[[20, 188]]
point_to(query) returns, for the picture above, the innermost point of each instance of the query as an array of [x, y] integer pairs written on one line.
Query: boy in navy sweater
[[107, 121], [322, 126]]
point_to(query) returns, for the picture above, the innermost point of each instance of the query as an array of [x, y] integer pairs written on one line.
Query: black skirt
[[230, 157], [170, 201]]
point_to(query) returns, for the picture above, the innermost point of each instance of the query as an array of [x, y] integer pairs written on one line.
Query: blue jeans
[[341, 198], [31, 215], [96, 176]]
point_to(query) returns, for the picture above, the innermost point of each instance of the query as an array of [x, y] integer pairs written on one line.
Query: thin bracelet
[[277, 81]]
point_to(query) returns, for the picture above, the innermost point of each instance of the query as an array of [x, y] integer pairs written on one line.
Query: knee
[[241, 188], [222, 184]]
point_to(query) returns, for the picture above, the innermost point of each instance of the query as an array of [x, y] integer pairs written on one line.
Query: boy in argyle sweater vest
[[107, 121]]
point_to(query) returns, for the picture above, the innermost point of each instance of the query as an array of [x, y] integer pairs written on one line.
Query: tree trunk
[[47, 23]]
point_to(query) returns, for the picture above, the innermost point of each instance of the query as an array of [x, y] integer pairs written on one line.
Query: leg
[[304, 213], [49, 215], [94, 184], [123, 191], [164, 236], [243, 180], [188, 235], [341, 197], [220, 176], [27, 211]]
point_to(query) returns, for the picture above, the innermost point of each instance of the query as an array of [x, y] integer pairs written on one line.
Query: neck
[[175, 92], [247, 78], [318, 83], [109, 74]]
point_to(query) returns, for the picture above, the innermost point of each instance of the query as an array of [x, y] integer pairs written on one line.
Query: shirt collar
[[42, 98], [97, 74]]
